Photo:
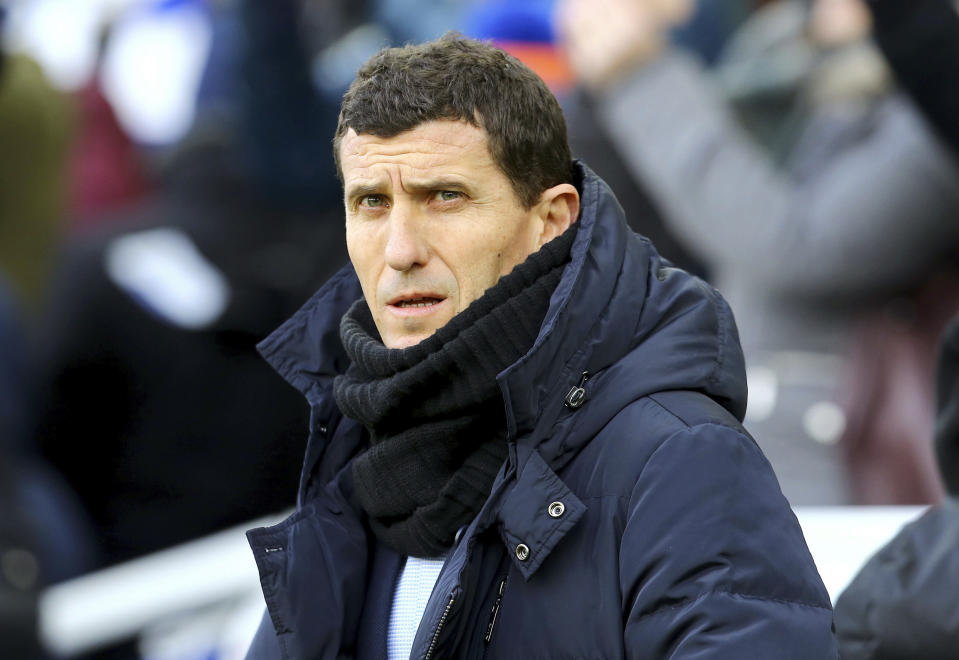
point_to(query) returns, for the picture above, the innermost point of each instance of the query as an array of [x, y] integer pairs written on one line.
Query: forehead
[[453, 147]]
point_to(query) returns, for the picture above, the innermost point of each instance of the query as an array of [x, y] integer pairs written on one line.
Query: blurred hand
[[606, 39], [839, 22]]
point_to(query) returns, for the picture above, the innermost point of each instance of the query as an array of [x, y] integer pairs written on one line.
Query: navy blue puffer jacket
[[643, 523]]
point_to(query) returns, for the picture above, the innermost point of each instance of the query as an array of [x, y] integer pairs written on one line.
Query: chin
[[406, 337], [405, 341]]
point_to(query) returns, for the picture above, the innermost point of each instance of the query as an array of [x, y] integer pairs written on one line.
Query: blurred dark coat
[[673, 539], [171, 427], [920, 39], [13, 374], [902, 603], [19, 543]]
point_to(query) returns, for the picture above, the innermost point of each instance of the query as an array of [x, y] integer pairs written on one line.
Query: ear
[[558, 208]]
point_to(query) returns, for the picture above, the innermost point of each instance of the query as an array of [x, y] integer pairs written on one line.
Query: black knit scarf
[[433, 410]]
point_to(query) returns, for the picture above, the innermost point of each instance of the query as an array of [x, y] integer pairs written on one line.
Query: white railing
[[842, 538], [120, 602]]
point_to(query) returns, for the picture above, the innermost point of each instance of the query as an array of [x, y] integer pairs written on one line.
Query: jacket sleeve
[[890, 199], [713, 562]]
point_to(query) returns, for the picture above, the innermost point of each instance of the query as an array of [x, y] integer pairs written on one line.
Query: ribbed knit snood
[[434, 412]]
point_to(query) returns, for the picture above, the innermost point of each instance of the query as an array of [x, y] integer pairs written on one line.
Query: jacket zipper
[[439, 627], [494, 612]]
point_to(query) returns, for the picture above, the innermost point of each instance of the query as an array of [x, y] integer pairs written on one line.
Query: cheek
[[475, 275], [362, 252], [354, 250], [484, 266], [516, 247], [482, 258]]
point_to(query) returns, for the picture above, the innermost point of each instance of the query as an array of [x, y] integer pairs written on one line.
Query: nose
[[406, 246]]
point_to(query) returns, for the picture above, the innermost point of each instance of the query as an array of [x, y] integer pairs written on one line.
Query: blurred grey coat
[[812, 191]]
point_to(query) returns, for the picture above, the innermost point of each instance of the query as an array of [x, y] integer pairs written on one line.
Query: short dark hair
[[457, 78]]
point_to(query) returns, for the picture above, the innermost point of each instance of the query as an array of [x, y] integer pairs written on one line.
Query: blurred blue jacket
[[37, 510], [673, 538], [13, 371]]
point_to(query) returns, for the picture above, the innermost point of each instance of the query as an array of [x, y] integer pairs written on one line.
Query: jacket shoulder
[[620, 451], [694, 409], [659, 416]]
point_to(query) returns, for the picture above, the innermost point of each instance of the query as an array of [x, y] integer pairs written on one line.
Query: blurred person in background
[[19, 546], [106, 168], [157, 408], [19, 588], [811, 189], [921, 42], [35, 130], [34, 134], [920, 39], [44, 534], [901, 604]]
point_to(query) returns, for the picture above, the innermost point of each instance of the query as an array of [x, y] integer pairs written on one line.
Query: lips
[[415, 301], [421, 302]]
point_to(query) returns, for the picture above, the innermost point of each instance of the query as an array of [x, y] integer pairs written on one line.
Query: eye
[[373, 201], [447, 196]]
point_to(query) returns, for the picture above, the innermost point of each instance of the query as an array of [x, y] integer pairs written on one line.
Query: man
[[525, 423]]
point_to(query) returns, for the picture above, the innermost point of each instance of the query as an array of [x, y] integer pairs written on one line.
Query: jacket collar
[[306, 350]]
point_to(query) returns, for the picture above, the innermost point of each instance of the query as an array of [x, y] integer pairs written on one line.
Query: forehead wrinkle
[[402, 144], [446, 134], [437, 172], [408, 162], [404, 176]]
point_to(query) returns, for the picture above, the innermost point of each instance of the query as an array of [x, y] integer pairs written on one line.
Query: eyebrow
[[428, 185], [363, 189], [425, 185]]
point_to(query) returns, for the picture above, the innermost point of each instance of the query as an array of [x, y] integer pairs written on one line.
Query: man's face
[[431, 223]]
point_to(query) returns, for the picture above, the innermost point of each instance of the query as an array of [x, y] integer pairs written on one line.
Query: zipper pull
[[494, 612], [577, 395]]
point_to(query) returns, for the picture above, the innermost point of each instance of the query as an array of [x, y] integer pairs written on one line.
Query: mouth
[[415, 301]]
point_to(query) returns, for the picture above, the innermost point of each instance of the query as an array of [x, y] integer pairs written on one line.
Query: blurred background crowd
[[168, 197]]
